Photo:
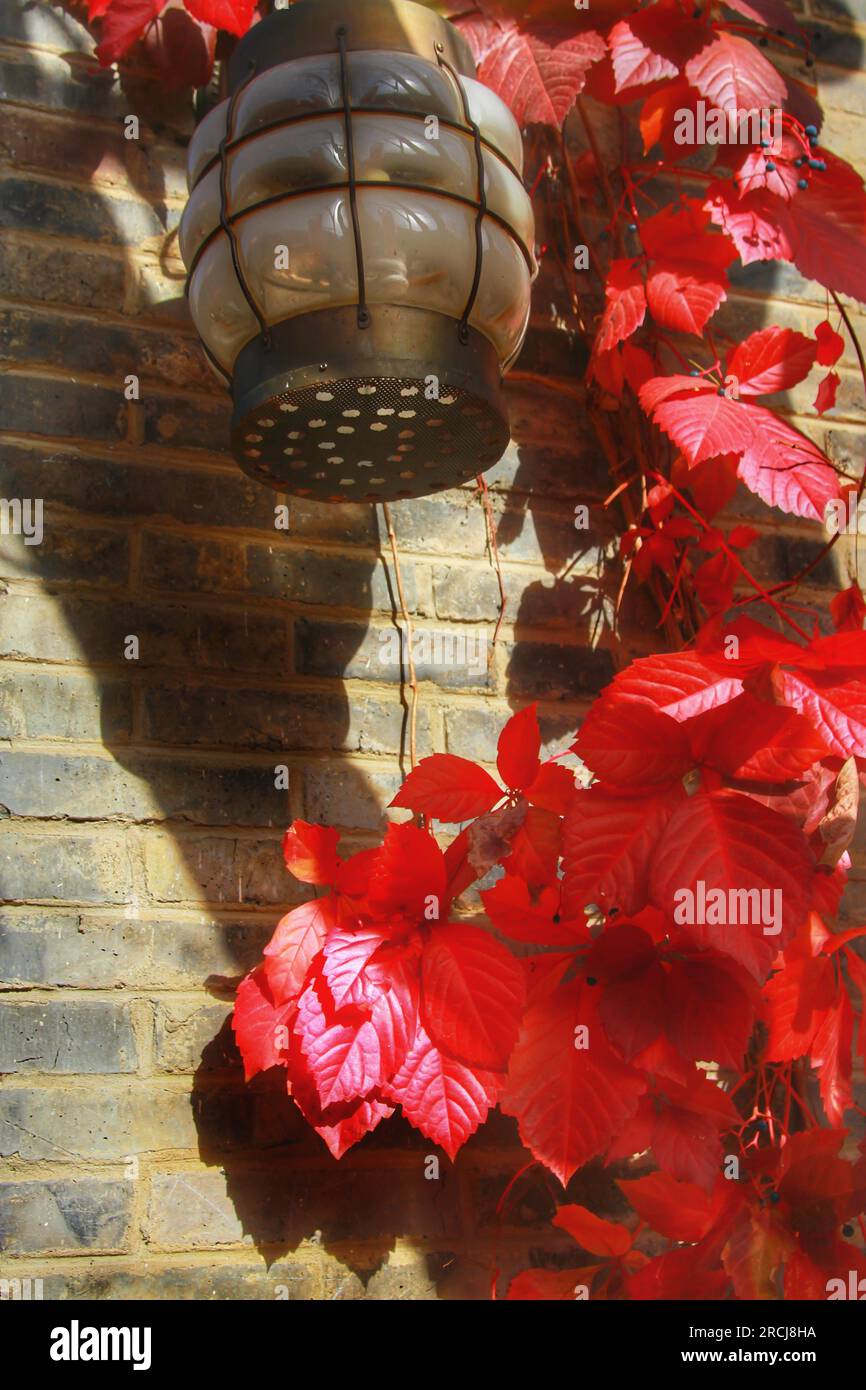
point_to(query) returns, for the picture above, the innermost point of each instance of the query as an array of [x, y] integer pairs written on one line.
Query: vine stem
[[576, 214], [413, 679], [548, 383], [602, 173], [490, 523]]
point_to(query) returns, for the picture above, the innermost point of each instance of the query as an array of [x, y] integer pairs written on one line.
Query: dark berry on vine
[[811, 130], [773, 1196], [769, 166], [556, 917], [817, 164], [694, 372], [721, 391], [765, 144], [802, 183], [798, 163], [632, 226], [591, 980]]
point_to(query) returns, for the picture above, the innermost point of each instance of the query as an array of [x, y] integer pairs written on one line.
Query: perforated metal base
[[333, 431]]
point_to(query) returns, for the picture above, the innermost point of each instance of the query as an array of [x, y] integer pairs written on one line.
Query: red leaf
[[710, 1010], [632, 744], [826, 397], [699, 421], [550, 1285], [751, 740], [443, 1098], [343, 1133], [633, 1003], [774, 14], [235, 16], [729, 843], [608, 847], [733, 75], [552, 789], [756, 1253], [259, 1025], [518, 749], [408, 872], [626, 304], [796, 1002], [848, 609], [778, 462], [536, 847], [679, 1274], [177, 50], [831, 345], [510, 909], [771, 360], [742, 536], [686, 1144], [822, 1189], [633, 63], [831, 1056], [568, 1101], [653, 44], [123, 22], [396, 1012], [685, 233], [297, 940], [344, 1057], [836, 709], [347, 952], [683, 296], [680, 684], [310, 852], [712, 484], [752, 220], [472, 995], [758, 648], [782, 178], [638, 366], [591, 1232], [448, 788], [538, 69], [677, 1210], [659, 116], [822, 229], [786, 469]]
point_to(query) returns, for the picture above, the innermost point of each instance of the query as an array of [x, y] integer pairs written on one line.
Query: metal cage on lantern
[[359, 248]]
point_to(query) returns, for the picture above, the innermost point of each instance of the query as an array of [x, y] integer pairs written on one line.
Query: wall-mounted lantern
[[360, 251]]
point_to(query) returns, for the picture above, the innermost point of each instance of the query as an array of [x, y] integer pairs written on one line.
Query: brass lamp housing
[[380, 378]]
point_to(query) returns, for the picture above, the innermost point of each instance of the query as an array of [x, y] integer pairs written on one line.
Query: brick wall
[[141, 823]]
